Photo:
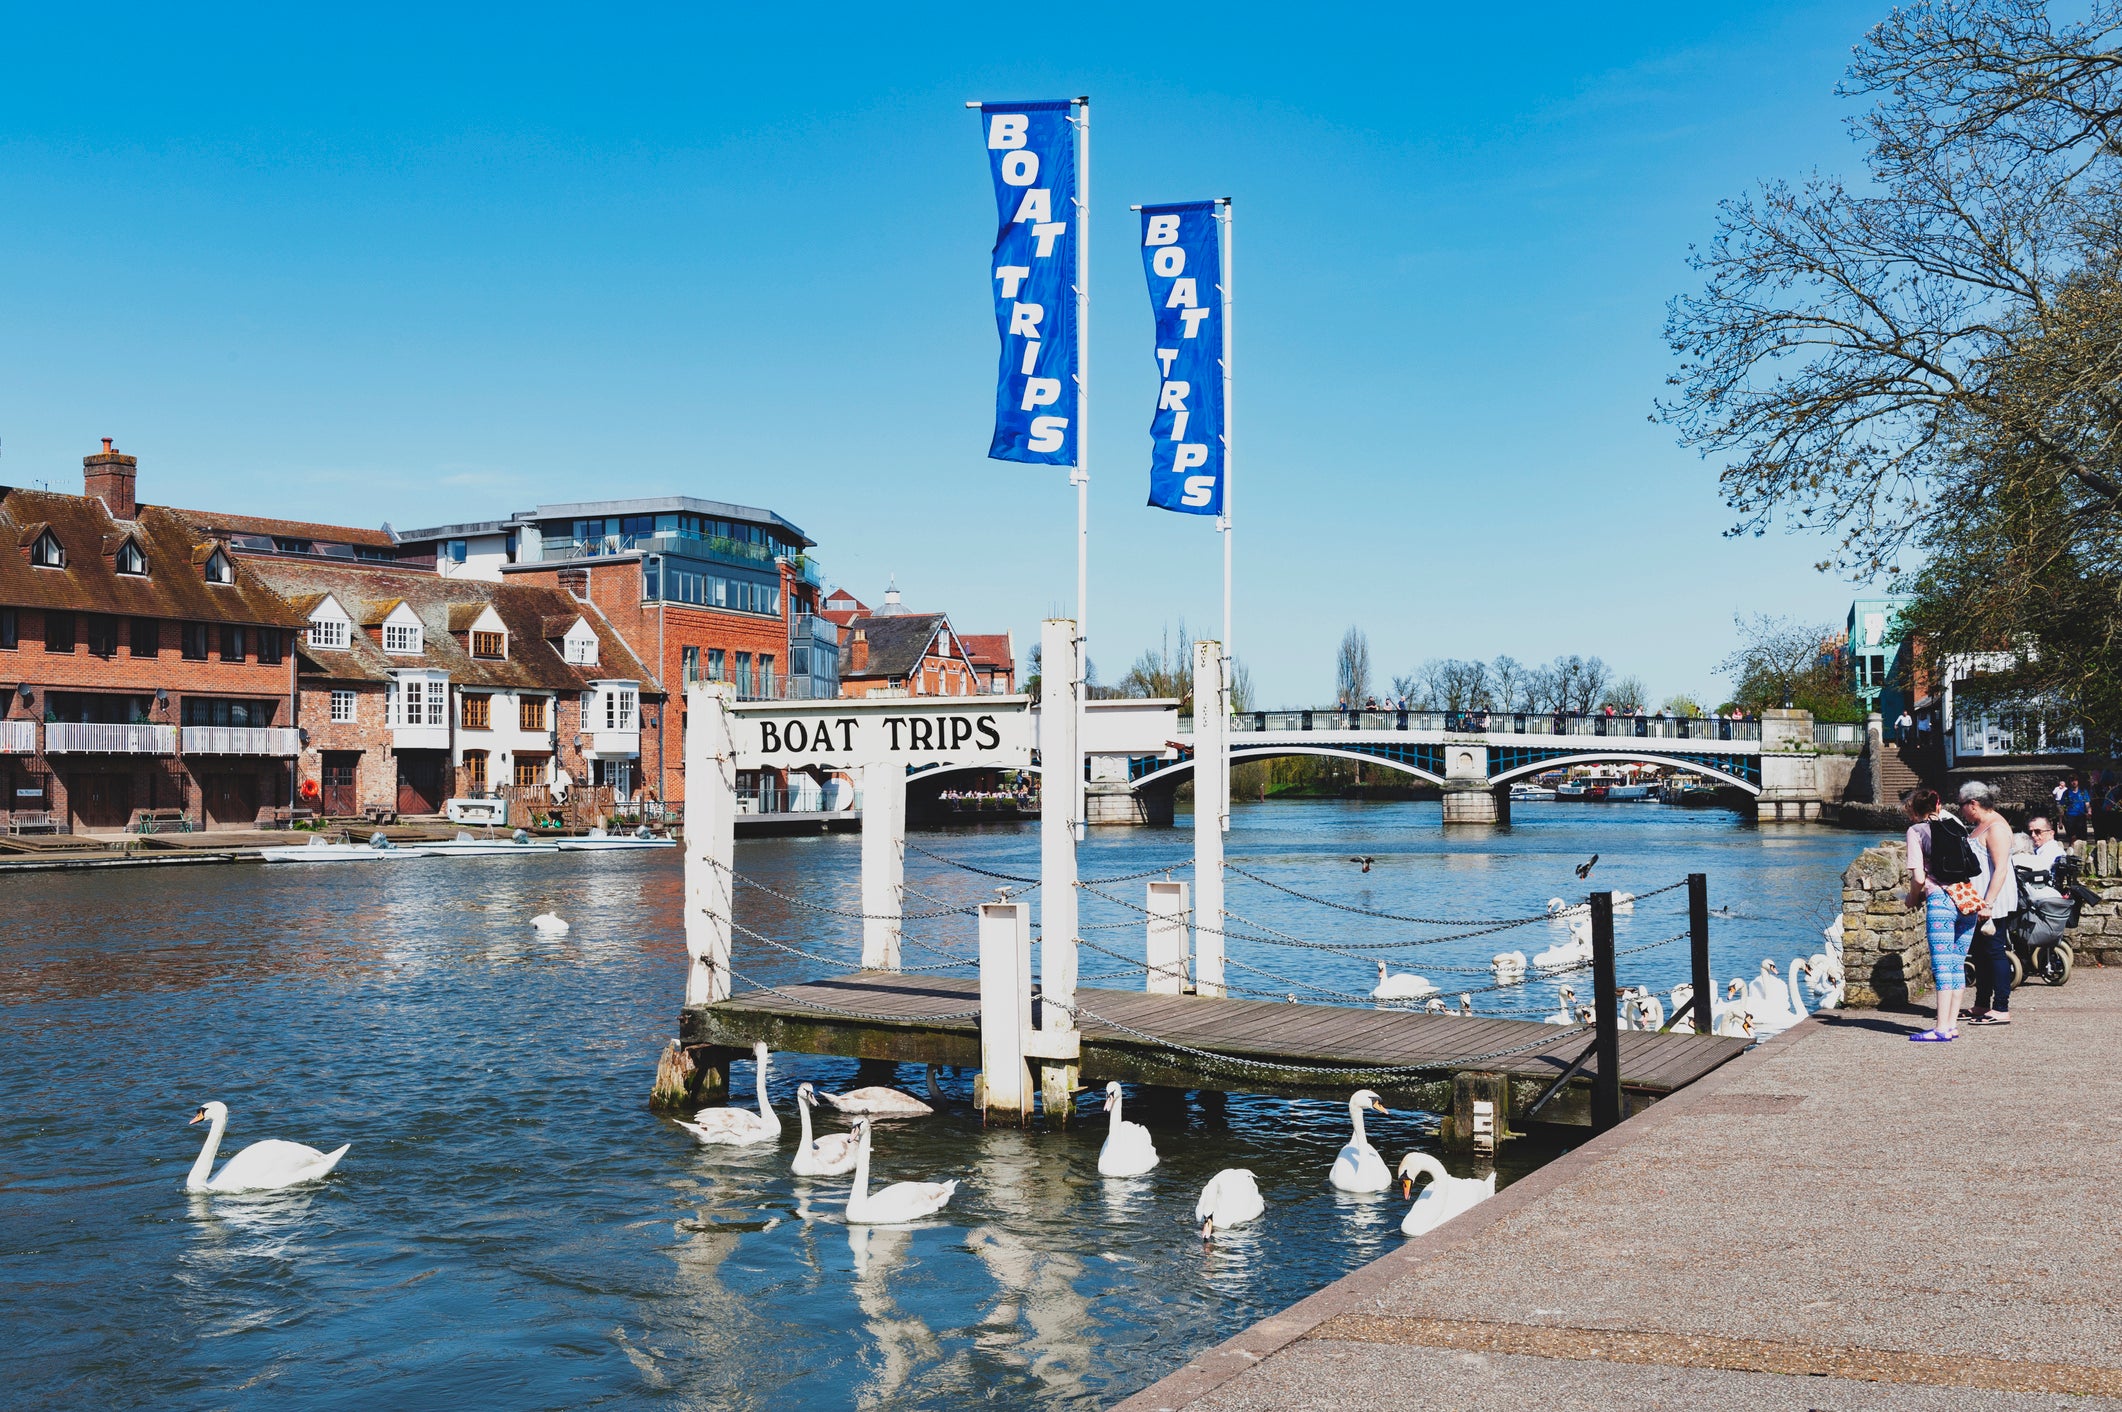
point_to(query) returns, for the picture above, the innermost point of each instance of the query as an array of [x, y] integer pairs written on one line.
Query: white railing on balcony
[[18, 737], [79, 738], [242, 740]]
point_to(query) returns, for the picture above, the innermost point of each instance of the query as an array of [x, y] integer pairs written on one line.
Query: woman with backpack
[[1942, 862]]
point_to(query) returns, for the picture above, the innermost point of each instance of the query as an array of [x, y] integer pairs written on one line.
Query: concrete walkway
[[1839, 1219]]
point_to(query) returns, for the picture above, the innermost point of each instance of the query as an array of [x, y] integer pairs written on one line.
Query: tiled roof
[[216, 522], [173, 587], [533, 660], [988, 649], [897, 643]]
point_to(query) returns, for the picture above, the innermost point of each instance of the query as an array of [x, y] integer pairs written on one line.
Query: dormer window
[[579, 647], [327, 633], [47, 552], [403, 639], [492, 646], [218, 569], [131, 560]]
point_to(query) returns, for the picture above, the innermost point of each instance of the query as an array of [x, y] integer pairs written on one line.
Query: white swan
[[1128, 1151], [1434, 1005], [1777, 1005], [263, 1166], [1358, 1167], [1231, 1198], [1643, 1010], [1567, 1015], [739, 1127], [1466, 1004], [1405, 986], [901, 1201], [1445, 1196], [1567, 955], [1624, 902], [1683, 998], [829, 1156], [548, 924], [1560, 910], [1509, 966], [882, 1102]]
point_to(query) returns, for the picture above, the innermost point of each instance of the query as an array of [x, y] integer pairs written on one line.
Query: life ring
[[309, 789]]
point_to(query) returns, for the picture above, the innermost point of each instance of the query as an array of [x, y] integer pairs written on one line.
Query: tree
[[1930, 362], [1241, 684], [1681, 705], [1781, 662], [1627, 696], [1506, 680], [1352, 668], [1160, 671]]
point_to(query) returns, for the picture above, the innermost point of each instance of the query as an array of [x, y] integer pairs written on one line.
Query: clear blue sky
[[358, 265]]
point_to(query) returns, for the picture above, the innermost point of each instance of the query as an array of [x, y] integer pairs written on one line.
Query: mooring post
[[710, 840], [883, 863], [1211, 723], [1606, 1002], [1165, 944], [1698, 945], [1060, 792], [1005, 1007]]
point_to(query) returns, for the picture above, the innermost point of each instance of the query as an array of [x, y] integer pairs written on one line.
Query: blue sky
[[395, 265]]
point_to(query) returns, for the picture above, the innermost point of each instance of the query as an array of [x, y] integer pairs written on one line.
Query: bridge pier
[[1790, 769], [1469, 803]]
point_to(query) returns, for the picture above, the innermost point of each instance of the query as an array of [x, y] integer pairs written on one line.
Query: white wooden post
[[1166, 942], [1005, 1006], [1211, 788], [883, 863], [710, 840]]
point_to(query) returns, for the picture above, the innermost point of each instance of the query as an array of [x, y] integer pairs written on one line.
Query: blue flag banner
[[1031, 149], [1183, 259]]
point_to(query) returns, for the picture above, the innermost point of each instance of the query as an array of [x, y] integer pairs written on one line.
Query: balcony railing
[[282, 741], [805, 567], [1597, 724], [18, 738], [810, 628], [78, 738], [689, 546]]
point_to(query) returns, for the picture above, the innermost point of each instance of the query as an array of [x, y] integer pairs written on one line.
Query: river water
[[513, 1228]]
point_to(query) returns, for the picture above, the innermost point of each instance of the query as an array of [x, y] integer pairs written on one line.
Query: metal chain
[[842, 911], [968, 867], [750, 935], [1386, 916]]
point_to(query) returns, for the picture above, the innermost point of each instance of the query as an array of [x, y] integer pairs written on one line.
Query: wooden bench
[[159, 821], [32, 821]]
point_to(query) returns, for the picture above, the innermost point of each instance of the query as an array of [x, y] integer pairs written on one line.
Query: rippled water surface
[[513, 1228]]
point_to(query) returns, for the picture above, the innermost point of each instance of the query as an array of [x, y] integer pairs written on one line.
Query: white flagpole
[[1080, 476], [1229, 657]]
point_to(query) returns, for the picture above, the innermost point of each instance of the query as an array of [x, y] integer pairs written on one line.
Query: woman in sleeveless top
[[1946, 929], [1998, 886]]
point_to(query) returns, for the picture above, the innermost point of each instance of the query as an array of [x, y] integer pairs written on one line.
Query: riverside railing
[[1575, 723]]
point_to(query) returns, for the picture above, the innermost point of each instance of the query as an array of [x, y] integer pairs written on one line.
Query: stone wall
[[1885, 958]]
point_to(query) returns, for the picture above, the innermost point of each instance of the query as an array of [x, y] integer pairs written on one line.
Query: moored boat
[[598, 841], [467, 845], [319, 849]]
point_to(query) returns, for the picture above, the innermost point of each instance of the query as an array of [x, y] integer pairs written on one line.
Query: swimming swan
[[1231, 1198], [884, 1102], [1358, 1167], [739, 1127], [1445, 1197], [1509, 966], [548, 924], [829, 1156], [263, 1166], [1128, 1151], [901, 1201], [1404, 986]]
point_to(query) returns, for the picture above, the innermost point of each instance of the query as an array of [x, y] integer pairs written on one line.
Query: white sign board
[[909, 730]]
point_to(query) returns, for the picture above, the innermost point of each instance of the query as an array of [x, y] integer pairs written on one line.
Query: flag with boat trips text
[[1182, 257], [1031, 151]]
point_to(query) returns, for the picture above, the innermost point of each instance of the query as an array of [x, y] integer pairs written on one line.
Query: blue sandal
[[1933, 1037]]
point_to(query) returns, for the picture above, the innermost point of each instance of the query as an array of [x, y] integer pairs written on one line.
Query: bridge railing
[[1577, 723]]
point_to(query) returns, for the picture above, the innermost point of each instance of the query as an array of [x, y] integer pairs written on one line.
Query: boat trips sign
[[931, 730]]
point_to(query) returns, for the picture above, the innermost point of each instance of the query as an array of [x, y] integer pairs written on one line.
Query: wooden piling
[[1480, 1117], [688, 1077], [1698, 947], [1606, 1003]]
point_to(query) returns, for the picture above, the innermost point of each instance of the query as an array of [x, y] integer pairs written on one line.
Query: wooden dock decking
[[887, 1015]]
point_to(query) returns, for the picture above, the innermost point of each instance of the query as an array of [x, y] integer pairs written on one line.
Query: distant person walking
[[1939, 860], [1998, 887], [1903, 723], [2077, 810]]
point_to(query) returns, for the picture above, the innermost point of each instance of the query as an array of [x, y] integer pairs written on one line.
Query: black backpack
[[1952, 853]]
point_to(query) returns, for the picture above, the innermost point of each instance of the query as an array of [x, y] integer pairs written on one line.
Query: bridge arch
[[1178, 771], [1617, 757]]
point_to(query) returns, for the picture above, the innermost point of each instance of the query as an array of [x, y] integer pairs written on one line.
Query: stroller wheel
[[2018, 971], [2055, 961]]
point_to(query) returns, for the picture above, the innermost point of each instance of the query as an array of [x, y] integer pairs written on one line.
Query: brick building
[[415, 690], [145, 667], [892, 648], [700, 590], [994, 657]]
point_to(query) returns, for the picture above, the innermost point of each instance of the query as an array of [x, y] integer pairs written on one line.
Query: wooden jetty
[[925, 1019]]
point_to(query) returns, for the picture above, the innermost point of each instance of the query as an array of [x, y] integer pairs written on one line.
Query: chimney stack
[[109, 475], [858, 653]]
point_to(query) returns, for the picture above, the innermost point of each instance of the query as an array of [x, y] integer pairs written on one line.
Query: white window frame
[[344, 704], [328, 634], [622, 708], [404, 639], [219, 569], [139, 557], [430, 704]]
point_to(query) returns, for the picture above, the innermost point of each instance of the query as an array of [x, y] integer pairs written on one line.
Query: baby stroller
[[2050, 900]]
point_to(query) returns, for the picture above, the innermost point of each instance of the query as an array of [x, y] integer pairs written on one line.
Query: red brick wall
[[150, 781]]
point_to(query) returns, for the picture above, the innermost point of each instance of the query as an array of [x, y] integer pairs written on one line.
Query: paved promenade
[[1838, 1220]]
